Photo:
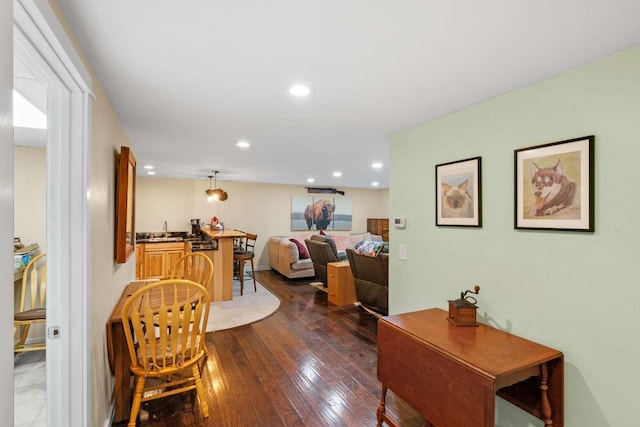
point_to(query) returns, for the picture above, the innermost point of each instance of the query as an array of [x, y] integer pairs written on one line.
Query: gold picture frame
[[125, 205]]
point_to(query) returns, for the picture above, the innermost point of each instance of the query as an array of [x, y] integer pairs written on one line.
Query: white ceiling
[[189, 78], [36, 93]]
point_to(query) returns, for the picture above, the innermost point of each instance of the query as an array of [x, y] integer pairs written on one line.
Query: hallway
[[308, 364]]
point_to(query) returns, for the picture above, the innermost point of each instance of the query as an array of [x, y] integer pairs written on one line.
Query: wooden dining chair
[[164, 324], [246, 253], [197, 267], [32, 309], [194, 266]]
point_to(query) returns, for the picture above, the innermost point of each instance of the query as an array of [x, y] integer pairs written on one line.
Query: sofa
[[284, 257], [371, 279]]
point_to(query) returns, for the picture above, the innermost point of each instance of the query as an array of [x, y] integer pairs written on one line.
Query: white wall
[[6, 208], [576, 292], [108, 278], [30, 195], [263, 209]]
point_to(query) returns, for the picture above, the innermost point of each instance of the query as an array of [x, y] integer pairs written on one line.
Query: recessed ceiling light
[[337, 174], [148, 167], [376, 165], [375, 183], [310, 180], [300, 90], [151, 173], [243, 144]]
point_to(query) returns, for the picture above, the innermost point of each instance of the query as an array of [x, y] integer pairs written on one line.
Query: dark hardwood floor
[[308, 364]]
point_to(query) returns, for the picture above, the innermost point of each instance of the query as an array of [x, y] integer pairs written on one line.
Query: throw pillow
[[322, 233], [302, 249], [369, 248]]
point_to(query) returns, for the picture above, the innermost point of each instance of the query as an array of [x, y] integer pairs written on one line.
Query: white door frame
[[6, 209], [41, 42]]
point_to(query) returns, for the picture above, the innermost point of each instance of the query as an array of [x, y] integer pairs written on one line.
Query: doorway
[[41, 44], [30, 164]]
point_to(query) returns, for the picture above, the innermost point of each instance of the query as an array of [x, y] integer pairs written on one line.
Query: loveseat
[[371, 279], [284, 257]]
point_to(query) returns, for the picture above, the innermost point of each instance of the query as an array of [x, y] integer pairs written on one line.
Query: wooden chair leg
[[23, 336], [241, 275], [137, 400], [253, 273], [202, 396]]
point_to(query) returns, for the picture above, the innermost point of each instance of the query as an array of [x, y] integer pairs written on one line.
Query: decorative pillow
[[302, 249], [357, 238], [369, 248], [322, 233]]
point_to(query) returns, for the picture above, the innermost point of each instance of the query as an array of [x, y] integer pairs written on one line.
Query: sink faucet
[[165, 229]]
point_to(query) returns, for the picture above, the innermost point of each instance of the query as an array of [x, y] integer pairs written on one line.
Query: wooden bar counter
[[451, 374], [222, 283]]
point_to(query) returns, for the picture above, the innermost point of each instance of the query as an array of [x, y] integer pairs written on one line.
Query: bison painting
[[319, 213]]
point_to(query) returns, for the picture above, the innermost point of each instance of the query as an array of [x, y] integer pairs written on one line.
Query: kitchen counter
[[221, 288], [222, 234]]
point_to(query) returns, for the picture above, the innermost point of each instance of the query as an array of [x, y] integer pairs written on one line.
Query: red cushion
[[302, 249], [322, 233]]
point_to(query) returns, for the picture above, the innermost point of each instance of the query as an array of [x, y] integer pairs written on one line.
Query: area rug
[[242, 310]]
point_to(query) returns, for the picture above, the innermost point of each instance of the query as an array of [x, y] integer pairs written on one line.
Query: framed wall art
[[125, 205], [459, 193], [554, 185], [320, 213]]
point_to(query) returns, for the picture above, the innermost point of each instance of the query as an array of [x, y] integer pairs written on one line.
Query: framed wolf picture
[[458, 193], [554, 185]]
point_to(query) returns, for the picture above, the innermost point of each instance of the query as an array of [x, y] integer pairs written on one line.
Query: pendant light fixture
[[216, 193]]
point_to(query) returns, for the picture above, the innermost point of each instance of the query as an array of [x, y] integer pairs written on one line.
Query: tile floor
[[249, 307], [30, 392]]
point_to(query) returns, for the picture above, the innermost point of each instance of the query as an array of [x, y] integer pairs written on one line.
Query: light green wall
[[576, 292]]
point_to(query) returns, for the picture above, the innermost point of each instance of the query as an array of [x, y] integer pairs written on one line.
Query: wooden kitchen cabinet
[[379, 226], [340, 287], [159, 258], [139, 260]]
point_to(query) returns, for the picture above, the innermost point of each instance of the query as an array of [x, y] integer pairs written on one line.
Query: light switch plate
[[402, 251]]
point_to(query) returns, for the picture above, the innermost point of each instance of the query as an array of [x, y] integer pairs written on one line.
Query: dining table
[[118, 353], [117, 348]]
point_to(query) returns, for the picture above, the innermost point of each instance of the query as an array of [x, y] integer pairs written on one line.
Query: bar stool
[[240, 256]]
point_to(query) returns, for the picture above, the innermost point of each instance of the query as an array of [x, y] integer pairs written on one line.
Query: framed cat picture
[[554, 186], [459, 193]]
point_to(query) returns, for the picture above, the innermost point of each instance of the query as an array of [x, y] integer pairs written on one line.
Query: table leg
[[544, 398], [122, 375], [381, 409]]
